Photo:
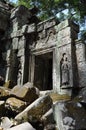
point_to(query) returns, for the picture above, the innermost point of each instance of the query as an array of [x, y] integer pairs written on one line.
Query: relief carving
[[19, 77], [20, 71], [46, 37], [64, 71], [51, 36]]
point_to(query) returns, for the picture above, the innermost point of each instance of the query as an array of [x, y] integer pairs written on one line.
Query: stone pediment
[[20, 11]]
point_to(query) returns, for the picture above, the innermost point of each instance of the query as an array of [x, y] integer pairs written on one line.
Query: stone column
[[66, 57], [54, 71], [81, 62], [8, 65], [21, 66], [31, 68], [21, 58]]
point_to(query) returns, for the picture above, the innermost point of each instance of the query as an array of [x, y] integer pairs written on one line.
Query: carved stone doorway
[[43, 71]]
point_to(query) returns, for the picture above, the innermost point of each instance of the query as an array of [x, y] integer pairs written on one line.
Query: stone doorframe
[[35, 53]]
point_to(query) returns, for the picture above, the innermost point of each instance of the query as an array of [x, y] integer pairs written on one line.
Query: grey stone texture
[[23, 126], [36, 110], [25, 39], [6, 123], [26, 93], [70, 115], [81, 62]]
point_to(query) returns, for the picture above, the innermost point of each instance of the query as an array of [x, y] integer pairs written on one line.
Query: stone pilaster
[[81, 62], [66, 61]]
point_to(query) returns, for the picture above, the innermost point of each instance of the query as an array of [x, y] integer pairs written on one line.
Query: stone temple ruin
[[47, 54], [43, 53]]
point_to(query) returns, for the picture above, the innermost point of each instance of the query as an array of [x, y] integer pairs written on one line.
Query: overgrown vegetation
[[61, 9], [52, 7]]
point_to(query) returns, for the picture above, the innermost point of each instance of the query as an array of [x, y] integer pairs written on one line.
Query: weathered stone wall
[[66, 57], [44, 43], [45, 37], [21, 25], [24, 39], [4, 23], [81, 62]]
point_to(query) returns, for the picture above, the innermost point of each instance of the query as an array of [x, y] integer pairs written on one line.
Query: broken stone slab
[[69, 115], [6, 123], [27, 92], [48, 117], [23, 126], [15, 105], [4, 93], [36, 110]]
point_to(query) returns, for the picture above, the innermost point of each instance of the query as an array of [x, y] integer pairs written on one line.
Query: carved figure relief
[[51, 36], [19, 78], [46, 37], [64, 71], [20, 70]]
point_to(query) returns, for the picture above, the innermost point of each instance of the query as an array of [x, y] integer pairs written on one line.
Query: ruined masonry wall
[[24, 39], [66, 35], [81, 62]]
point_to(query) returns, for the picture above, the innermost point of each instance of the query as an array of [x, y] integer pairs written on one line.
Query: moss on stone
[[58, 97], [8, 84]]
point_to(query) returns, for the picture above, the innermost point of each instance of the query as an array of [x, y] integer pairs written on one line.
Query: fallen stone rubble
[[26, 108], [23, 108]]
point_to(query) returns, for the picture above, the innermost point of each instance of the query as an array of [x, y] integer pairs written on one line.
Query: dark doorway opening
[[43, 71]]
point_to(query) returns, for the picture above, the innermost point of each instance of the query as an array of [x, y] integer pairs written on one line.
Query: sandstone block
[[27, 93], [15, 104], [36, 110], [6, 123], [48, 117], [69, 115], [23, 126], [4, 93]]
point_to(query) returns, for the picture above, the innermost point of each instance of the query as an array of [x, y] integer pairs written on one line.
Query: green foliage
[[24, 2], [50, 8]]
